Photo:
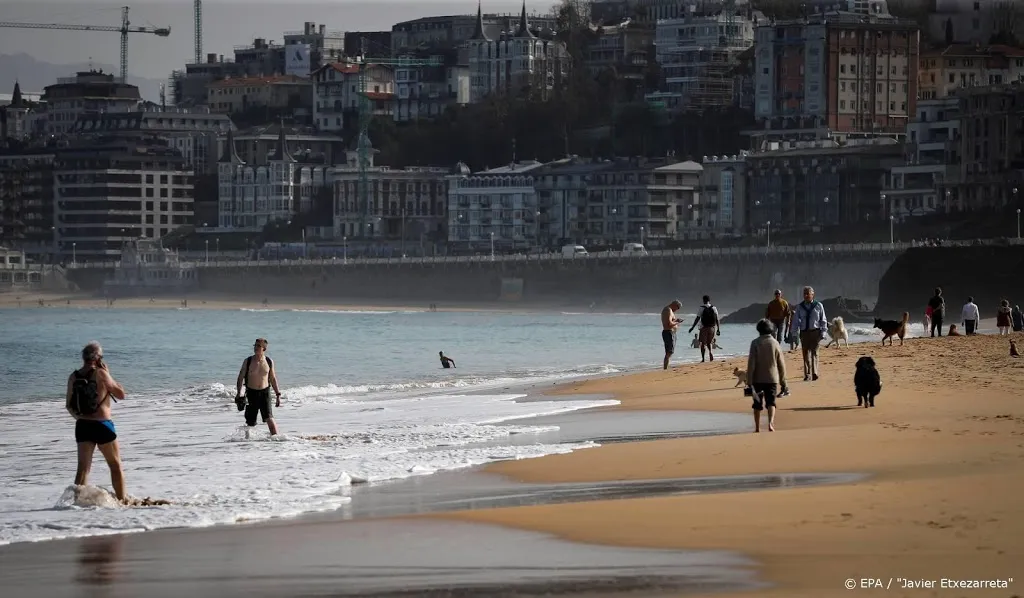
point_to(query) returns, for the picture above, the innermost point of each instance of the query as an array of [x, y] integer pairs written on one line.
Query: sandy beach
[[943, 449]]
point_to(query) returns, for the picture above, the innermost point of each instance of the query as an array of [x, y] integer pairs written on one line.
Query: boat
[[147, 268]]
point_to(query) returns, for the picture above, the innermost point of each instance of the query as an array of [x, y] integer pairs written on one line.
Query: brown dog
[[1013, 349], [891, 328], [741, 376]]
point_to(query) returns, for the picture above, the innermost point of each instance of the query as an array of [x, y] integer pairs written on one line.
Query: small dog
[[837, 332], [1013, 349], [866, 382], [741, 376], [891, 328]]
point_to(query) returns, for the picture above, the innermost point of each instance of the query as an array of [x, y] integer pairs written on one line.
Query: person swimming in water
[[446, 362]]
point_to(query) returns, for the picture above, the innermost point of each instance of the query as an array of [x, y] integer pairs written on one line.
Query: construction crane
[[197, 14], [124, 29], [363, 147]]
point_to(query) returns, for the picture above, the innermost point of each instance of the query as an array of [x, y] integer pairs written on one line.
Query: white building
[[336, 92], [723, 193], [250, 196], [427, 91], [933, 161], [406, 204], [515, 63], [498, 205], [89, 92]]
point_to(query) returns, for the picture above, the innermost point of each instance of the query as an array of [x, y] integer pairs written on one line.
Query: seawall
[[988, 273]]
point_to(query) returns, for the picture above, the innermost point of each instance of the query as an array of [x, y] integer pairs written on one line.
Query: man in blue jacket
[[810, 323]]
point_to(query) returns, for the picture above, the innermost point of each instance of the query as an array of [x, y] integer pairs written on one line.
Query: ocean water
[[364, 399]]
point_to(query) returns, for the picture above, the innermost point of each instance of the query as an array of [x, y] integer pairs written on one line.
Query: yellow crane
[[124, 29]]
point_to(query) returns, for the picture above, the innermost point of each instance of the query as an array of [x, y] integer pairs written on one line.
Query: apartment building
[[336, 93], [452, 31], [637, 200], [26, 200], [723, 193], [698, 53], [257, 145], [408, 204], [251, 195], [562, 198], [88, 92], [918, 186], [970, 21], [277, 92], [193, 132], [188, 88], [496, 207], [835, 75], [109, 193], [515, 63], [946, 70], [805, 185], [991, 153], [428, 91]]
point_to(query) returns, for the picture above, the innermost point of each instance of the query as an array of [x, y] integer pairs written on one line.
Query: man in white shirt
[[970, 317]]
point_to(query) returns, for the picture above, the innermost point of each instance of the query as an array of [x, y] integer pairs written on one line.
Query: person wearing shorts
[[669, 325], [766, 371], [258, 376]]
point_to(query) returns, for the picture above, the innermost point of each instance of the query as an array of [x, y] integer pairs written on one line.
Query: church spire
[[524, 26], [478, 33], [16, 99]]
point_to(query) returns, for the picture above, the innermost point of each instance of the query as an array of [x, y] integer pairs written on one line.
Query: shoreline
[[939, 500]]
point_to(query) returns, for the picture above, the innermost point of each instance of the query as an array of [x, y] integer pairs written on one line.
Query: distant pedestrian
[[810, 324], [938, 306], [970, 317], [1017, 319], [710, 327], [446, 362], [1004, 318], [779, 314], [766, 372], [669, 325]]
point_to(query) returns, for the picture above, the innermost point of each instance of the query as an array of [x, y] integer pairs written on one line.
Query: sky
[[226, 24]]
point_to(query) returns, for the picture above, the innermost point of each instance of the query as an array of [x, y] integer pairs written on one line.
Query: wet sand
[[944, 450]]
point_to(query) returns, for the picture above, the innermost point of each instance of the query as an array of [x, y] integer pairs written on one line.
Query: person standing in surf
[[669, 325], [710, 327], [90, 390], [446, 362], [258, 375]]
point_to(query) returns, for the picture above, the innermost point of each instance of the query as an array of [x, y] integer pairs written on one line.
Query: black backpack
[[85, 397], [707, 317], [270, 366]]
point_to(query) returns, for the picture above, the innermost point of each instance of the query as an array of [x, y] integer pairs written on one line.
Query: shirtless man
[[258, 375], [88, 402], [669, 325]]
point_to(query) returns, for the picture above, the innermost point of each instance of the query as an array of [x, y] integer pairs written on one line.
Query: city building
[[562, 197], [15, 116], [698, 54], [251, 195], [932, 166], [366, 44], [262, 58], [625, 49], [277, 92], [946, 70], [452, 31], [494, 208], [257, 145], [427, 91], [109, 192], [336, 93], [723, 193], [26, 200], [89, 92], [515, 63], [309, 49], [835, 75], [188, 87], [804, 185], [193, 132], [971, 21], [407, 205], [991, 152]]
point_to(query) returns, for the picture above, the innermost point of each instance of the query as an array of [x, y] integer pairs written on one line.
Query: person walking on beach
[[970, 317], [90, 390], [669, 325], [446, 362], [766, 372], [938, 307], [707, 317], [779, 314], [810, 324], [1004, 318], [1017, 319], [258, 375]]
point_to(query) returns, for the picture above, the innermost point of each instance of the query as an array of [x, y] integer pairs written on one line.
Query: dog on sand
[[837, 332], [893, 328], [741, 376], [866, 382], [1013, 349]]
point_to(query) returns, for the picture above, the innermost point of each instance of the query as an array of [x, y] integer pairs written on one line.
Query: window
[[163, 206], [163, 179], [149, 179], [149, 192], [163, 192]]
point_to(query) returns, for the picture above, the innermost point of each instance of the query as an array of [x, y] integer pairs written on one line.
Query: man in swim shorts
[[90, 391], [669, 325], [258, 375]]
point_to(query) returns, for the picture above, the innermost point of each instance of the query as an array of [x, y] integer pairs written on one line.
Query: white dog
[[837, 332]]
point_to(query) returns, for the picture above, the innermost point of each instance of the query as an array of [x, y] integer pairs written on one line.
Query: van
[[634, 249], [574, 251]]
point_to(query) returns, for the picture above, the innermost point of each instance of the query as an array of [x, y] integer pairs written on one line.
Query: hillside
[[34, 75]]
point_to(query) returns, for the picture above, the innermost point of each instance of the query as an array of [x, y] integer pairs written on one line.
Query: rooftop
[[256, 81], [514, 168], [974, 50]]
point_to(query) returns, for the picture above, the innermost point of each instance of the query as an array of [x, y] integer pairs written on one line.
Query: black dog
[[867, 382]]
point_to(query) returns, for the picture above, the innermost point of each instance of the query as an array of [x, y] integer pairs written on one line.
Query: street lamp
[[824, 216], [492, 246], [344, 245], [769, 231], [892, 238], [1018, 224], [641, 236], [74, 248], [207, 242]]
